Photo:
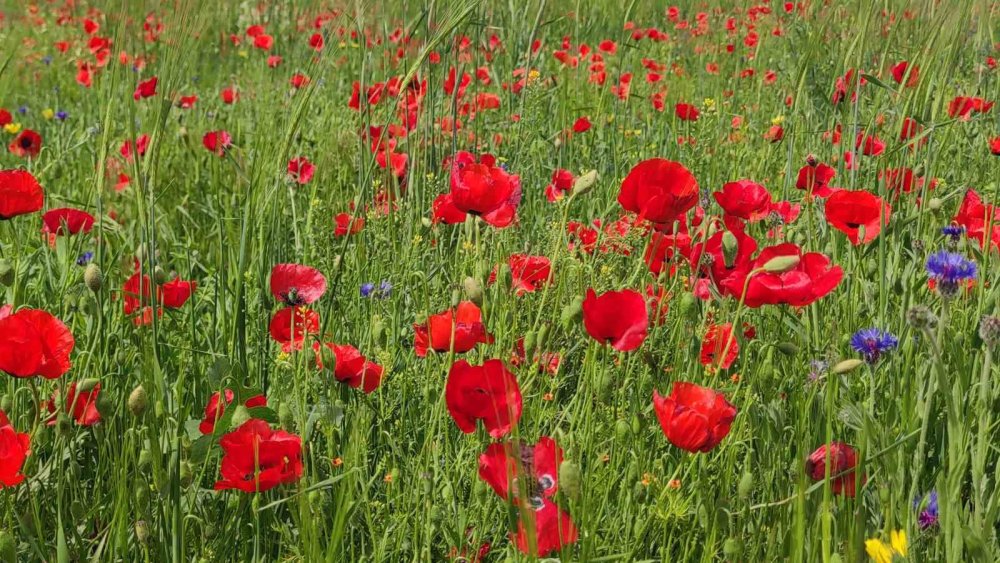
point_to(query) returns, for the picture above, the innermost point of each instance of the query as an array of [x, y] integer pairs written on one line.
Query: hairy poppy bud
[[745, 486], [572, 312], [788, 348], [93, 278], [733, 548], [529, 344], [569, 478], [8, 549], [137, 401], [847, 366], [426, 222], [6, 272], [622, 430], [543, 335], [6, 402], [730, 247], [63, 424], [456, 298], [145, 458], [689, 304], [240, 415], [378, 330], [935, 204], [584, 183], [186, 474], [781, 264], [105, 405], [473, 290]]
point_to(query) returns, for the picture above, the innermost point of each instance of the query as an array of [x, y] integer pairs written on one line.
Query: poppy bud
[[572, 312], [145, 459], [569, 478], [781, 264], [105, 405], [811, 160], [6, 402], [473, 290], [93, 278], [788, 348], [63, 424], [86, 385], [639, 492], [240, 415], [336, 262], [316, 499], [745, 487], [543, 335], [584, 183], [426, 222], [8, 549], [622, 430], [142, 531], [159, 276], [733, 548], [729, 248], [137, 401], [186, 474], [847, 366], [6, 273], [529, 344], [456, 298], [689, 305], [636, 424], [935, 204], [378, 330]]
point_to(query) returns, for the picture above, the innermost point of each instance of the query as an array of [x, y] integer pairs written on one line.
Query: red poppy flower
[[301, 170], [436, 333], [663, 248], [482, 188], [444, 211], [774, 134], [743, 198], [215, 409], [256, 458], [995, 146], [686, 112], [5, 117], [346, 224], [843, 460], [618, 318], [145, 89], [67, 221], [851, 211], [963, 106], [870, 145], [554, 529], [694, 418], [812, 278], [217, 142], [899, 72], [488, 393], [316, 41], [20, 193], [139, 146], [80, 404], [295, 284], [290, 325], [529, 273], [15, 447], [187, 102], [975, 215], [581, 125], [229, 95], [561, 185], [503, 462], [137, 293], [719, 339], [815, 179], [263, 41], [352, 368], [712, 260], [298, 80], [658, 190], [27, 144], [34, 343]]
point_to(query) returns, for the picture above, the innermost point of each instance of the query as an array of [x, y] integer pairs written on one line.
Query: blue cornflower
[[22, 110], [872, 343], [47, 59], [367, 289], [385, 289], [954, 232], [928, 517], [948, 269], [61, 115], [85, 258]]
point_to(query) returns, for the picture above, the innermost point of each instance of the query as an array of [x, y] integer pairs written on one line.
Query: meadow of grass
[[200, 411]]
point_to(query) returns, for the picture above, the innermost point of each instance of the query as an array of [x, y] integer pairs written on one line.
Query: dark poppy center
[[854, 225], [25, 143], [292, 297]]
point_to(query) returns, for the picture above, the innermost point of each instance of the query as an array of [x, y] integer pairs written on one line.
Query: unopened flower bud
[[847, 366], [781, 264], [584, 183], [137, 401], [730, 247], [921, 318], [93, 278], [569, 478], [473, 290]]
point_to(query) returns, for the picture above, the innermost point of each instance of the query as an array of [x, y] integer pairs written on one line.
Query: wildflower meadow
[[481, 281]]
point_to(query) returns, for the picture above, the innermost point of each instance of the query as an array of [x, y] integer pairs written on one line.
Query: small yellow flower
[[533, 74], [417, 239], [48, 113], [429, 176], [243, 53], [467, 246], [778, 120], [709, 103], [12, 128], [881, 552]]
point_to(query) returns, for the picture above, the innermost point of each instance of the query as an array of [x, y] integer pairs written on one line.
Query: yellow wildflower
[[881, 552], [48, 113], [12, 128]]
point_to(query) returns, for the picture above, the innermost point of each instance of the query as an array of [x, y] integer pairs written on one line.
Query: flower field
[[476, 281]]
